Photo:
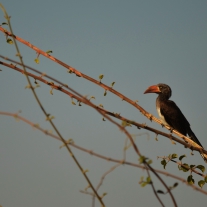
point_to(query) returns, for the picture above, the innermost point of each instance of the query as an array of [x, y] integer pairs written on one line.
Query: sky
[[134, 44]]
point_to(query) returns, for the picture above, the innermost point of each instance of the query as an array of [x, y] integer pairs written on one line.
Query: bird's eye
[[160, 87]]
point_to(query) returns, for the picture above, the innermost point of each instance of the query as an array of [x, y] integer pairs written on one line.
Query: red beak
[[153, 89]]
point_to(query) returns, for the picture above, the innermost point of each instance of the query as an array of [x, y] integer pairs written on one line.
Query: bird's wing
[[174, 117]]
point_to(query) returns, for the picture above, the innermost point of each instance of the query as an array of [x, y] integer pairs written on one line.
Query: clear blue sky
[[135, 44]]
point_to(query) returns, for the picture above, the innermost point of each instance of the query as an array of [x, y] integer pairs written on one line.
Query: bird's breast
[[161, 116]]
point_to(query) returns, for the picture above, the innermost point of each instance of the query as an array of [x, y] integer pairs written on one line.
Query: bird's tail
[[204, 156], [195, 139]]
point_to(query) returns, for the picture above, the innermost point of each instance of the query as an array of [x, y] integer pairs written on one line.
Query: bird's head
[[161, 89]]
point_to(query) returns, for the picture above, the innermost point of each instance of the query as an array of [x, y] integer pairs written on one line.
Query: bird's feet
[[171, 129]]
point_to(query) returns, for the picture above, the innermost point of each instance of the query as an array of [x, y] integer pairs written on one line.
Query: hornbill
[[170, 113]]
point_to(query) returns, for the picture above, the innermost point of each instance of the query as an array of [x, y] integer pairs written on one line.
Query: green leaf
[[92, 97], [174, 156], [105, 93], [190, 180], [201, 183], [101, 76], [73, 102], [104, 194], [205, 179], [49, 51], [149, 162], [175, 185], [181, 157], [9, 41], [142, 159], [143, 184], [201, 167], [125, 124], [28, 86], [192, 166], [148, 180], [37, 60], [185, 167], [112, 84], [4, 23], [141, 179], [164, 163], [160, 191], [52, 117]]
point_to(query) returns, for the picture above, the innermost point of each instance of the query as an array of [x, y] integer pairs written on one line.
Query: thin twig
[[187, 143], [46, 132], [44, 110], [105, 87]]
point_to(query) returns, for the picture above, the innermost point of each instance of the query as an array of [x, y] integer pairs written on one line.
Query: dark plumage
[[170, 113]]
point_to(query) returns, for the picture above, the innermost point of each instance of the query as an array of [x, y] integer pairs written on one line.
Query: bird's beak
[[153, 89]]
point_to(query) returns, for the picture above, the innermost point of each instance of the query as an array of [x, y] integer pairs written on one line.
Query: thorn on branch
[[18, 55], [85, 171], [87, 187], [43, 74], [36, 125], [49, 117], [117, 115], [69, 141], [29, 86]]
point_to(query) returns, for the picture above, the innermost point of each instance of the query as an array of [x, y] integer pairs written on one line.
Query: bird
[[170, 114]]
